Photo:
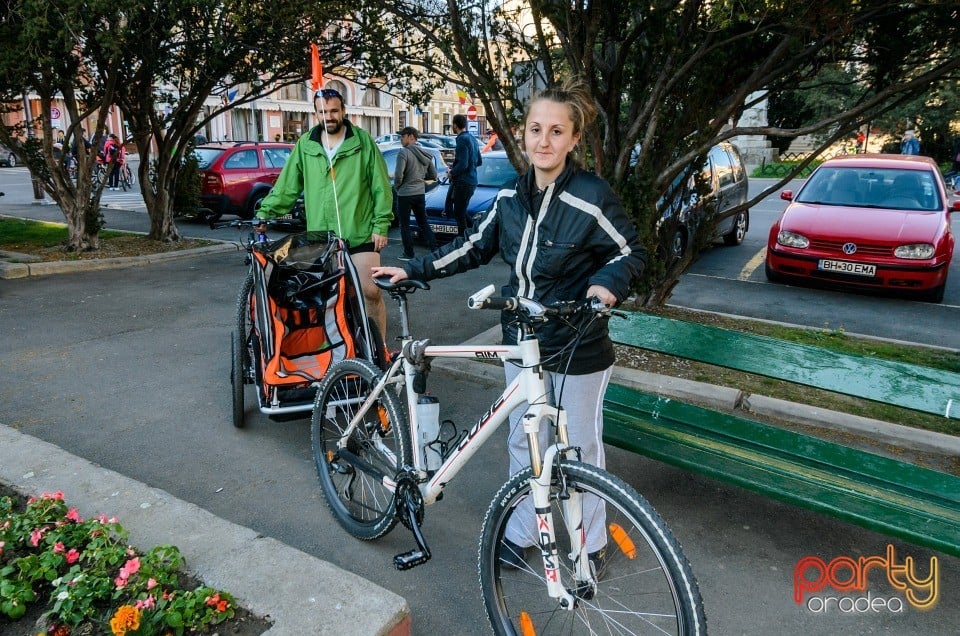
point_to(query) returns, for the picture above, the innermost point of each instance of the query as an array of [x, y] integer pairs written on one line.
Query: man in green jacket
[[346, 189]]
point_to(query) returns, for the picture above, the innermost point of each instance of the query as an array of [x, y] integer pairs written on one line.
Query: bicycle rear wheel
[[644, 584], [236, 379], [245, 318], [353, 481]]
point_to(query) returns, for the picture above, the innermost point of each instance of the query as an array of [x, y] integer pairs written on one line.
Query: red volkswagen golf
[[867, 221]]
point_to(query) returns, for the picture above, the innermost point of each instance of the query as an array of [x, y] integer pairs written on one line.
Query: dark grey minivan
[[705, 197]]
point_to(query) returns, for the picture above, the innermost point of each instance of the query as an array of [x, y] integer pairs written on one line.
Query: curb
[[46, 268], [298, 592]]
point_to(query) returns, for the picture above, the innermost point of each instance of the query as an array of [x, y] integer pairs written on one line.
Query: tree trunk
[[160, 208]]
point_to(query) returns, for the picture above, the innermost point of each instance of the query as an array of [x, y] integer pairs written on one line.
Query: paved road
[[129, 368]]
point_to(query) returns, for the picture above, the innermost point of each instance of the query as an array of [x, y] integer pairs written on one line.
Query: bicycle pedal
[[410, 559]]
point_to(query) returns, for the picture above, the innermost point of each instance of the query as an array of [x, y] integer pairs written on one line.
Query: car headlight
[[791, 239], [916, 251]]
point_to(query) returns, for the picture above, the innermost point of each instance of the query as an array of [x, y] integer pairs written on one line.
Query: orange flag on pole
[[462, 95], [316, 68]]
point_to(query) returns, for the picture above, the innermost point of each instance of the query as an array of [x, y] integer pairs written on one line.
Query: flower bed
[[81, 577]]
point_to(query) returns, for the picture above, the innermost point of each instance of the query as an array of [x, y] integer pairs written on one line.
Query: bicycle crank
[[410, 512]]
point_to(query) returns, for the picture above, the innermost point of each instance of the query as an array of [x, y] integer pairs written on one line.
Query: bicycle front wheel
[[644, 583], [352, 478]]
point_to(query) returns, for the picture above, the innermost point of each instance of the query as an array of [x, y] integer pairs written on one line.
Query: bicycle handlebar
[[241, 223], [484, 299]]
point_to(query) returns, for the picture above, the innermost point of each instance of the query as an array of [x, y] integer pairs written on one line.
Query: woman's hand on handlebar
[[396, 274], [604, 294]]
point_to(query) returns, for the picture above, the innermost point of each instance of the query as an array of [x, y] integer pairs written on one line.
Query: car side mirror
[[787, 195]]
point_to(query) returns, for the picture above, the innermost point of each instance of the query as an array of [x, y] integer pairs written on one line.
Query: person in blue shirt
[[462, 174], [909, 145]]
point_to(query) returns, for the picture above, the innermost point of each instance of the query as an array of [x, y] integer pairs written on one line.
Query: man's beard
[[333, 127]]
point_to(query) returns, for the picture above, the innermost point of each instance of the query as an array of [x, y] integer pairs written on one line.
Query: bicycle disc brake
[[410, 512]]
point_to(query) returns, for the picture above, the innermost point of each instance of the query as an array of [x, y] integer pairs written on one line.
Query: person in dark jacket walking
[[463, 173], [414, 168], [566, 236]]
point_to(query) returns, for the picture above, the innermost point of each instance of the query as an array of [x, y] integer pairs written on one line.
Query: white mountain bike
[[382, 456]]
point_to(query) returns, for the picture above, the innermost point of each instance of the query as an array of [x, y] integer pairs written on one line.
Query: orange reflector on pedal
[[623, 542], [329, 457], [526, 625]]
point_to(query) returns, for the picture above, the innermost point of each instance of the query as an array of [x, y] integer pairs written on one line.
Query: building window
[[371, 97], [402, 119]]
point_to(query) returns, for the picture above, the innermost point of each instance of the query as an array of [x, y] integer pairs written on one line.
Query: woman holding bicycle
[[566, 237]]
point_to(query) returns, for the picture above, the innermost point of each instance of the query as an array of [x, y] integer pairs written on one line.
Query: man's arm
[[285, 191], [400, 168], [380, 190], [461, 156]]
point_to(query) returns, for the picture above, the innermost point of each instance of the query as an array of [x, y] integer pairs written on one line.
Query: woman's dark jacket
[[557, 242]]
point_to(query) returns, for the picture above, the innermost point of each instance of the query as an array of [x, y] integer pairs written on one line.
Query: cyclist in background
[[114, 158], [566, 237]]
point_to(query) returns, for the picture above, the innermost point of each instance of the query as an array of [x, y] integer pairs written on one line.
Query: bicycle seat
[[405, 286]]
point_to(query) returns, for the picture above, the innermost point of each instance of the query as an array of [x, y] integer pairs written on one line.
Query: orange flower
[[216, 602], [126, 619]]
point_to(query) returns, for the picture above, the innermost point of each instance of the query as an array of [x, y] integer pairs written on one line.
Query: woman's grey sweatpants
[[582, 398]]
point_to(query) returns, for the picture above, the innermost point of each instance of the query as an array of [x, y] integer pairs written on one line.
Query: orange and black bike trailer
[[299, 311]]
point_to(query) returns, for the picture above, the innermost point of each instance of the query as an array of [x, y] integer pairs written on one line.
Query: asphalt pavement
[[114, 389]]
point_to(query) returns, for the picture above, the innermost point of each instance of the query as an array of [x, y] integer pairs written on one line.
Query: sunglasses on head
[[328, 93]]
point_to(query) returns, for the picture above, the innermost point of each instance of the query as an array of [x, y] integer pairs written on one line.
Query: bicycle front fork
[[572, 504]]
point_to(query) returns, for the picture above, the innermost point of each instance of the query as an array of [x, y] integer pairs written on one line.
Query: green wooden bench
[[892, 497]]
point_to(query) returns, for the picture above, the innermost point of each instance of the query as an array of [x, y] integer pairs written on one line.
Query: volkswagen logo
[[849, 248]]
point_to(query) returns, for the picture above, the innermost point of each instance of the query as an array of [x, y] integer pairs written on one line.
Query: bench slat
[[882, 494], [920, 388]]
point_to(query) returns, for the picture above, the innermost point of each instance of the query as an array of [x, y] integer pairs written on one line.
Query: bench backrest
[[897, 383]]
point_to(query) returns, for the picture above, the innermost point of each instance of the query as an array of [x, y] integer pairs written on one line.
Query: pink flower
[[58, 496], [131, 567], [36, 535], [147, 603], [151, 583], [58, 547], [73, 515], [72, 556]]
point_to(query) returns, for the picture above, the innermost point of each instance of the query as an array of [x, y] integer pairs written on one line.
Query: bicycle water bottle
[[428, 416]]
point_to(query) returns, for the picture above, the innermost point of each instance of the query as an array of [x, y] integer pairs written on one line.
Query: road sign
[[473, 127], [472, 112], [54, 113]]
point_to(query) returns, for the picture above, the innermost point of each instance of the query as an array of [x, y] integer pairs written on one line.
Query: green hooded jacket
[[363, 193]]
